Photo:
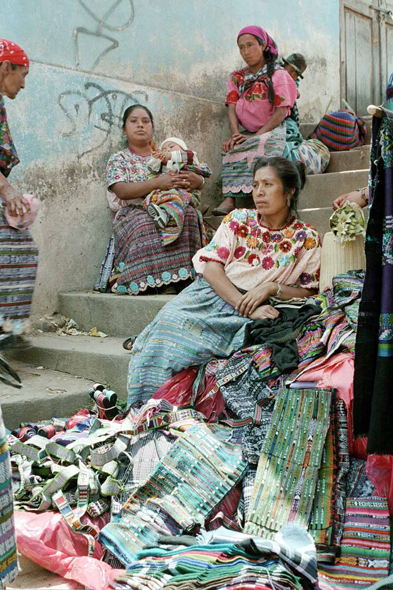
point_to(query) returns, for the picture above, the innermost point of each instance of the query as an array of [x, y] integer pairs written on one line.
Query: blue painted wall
[[91, 58]]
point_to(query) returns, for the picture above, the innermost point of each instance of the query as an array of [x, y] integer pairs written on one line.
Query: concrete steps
[[105, 360], [357, 159], [45, 393], [115, 315], [315, 205], [96, 359]]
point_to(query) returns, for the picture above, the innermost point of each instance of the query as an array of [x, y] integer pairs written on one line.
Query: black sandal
[[128, 343]]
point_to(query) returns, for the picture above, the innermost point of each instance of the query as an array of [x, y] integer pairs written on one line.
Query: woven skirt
[[142, 259], [193, 328], [237, 165], [18, 269]]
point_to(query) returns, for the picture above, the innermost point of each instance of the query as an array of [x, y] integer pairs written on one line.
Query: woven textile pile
[[234, 475]]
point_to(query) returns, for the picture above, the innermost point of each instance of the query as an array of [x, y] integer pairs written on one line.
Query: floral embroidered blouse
[[253, 254], [253, 108], [125, 166]]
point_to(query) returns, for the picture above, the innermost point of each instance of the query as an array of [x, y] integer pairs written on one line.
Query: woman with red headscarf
[[18, 253], [18, 263], [259, 98]]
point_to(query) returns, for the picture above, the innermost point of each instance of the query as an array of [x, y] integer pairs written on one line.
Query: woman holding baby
[[143, 259]]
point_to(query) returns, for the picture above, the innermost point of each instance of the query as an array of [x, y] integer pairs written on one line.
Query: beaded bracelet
[[362, 192]]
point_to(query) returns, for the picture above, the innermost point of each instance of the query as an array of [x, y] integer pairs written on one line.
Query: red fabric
[[10, 51], [178, 391], [379, 469]]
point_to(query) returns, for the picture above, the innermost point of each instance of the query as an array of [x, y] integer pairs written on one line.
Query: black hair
[[291, 174], [13, 66], [270, 59], [129, 110]]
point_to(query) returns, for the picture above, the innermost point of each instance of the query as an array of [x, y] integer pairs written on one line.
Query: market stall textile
[[285, 482], [365, 546], [193, 477], [374, 343], [227, 559]]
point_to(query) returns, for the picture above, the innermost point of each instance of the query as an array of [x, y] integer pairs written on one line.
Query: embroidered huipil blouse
[[253, 108], [125, 166], [253, 254]]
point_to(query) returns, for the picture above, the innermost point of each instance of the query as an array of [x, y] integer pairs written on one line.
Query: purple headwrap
[[261, 34]]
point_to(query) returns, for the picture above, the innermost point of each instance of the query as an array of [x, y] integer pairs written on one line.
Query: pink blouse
[[253, 108], [253, 254]]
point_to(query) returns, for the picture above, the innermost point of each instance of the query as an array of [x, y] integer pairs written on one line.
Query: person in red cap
[[18, 263], [18, 253]]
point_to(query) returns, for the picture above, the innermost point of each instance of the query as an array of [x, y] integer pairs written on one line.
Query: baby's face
[[171, 146], [292, 72]]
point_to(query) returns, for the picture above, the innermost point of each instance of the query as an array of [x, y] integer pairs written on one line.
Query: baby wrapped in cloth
[[168, 207]]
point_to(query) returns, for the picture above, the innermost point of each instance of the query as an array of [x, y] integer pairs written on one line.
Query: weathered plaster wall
[[92, 58]]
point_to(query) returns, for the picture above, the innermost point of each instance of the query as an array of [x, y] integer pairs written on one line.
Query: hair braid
[[270, 62]]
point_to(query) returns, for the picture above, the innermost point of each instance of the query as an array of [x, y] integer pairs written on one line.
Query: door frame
[[369, 9]]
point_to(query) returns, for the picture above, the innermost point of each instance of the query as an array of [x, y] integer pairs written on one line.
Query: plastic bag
[[46, 539], [379, 470]]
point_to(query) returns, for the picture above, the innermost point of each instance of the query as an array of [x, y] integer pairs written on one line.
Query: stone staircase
[[103, 359]]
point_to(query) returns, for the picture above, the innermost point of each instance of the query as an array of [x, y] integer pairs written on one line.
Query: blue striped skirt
[[18, 269], [194, 327]]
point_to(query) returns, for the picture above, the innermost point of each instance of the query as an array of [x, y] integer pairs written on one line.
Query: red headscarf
[[10, 51], [261, 34]]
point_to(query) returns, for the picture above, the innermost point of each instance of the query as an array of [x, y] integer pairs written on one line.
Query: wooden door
[[360, 54], [386, 26]]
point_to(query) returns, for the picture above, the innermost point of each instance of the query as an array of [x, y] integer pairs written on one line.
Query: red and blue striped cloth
[[340, 130]]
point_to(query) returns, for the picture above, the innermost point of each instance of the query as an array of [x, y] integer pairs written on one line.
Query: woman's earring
[[289, 201]]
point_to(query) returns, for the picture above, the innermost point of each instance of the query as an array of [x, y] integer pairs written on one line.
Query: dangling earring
[[289, 201]]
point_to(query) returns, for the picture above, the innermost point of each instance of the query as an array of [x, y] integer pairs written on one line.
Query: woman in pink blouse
[[257, 258], [259, 98]]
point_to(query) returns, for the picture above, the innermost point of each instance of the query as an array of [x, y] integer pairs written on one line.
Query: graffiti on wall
[[103, 26], [95, 112]]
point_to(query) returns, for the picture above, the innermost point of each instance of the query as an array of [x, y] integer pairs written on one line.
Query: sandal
[[219, 211], [159, 215], [128, 343]]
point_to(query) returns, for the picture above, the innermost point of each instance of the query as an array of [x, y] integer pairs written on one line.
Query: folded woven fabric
[[281, 334]]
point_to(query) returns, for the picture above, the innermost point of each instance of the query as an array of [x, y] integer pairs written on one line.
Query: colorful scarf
[[260, 34], [260, 76], [10, 51], [8, 156]]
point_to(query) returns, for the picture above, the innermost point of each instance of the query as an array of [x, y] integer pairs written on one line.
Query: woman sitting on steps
[[254, 256], [142, 259]]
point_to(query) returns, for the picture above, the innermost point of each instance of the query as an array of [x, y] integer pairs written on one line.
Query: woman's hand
[[236, 139], [352, 197], [264, 312], [249, 302], [162, 156], [15, 202], [188, 181], [166, 181]]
